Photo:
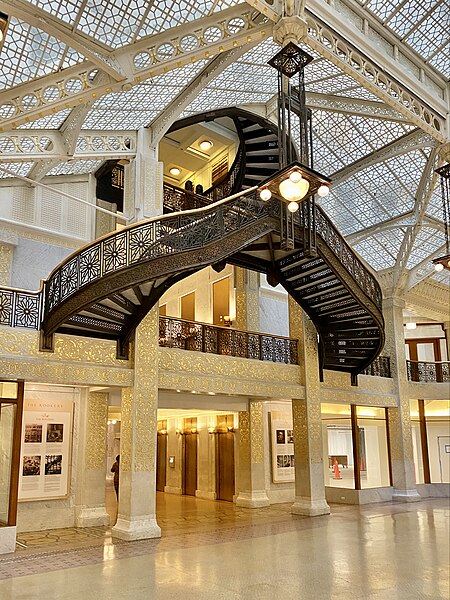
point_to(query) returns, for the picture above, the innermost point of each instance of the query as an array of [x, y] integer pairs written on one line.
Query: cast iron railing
[[381, 367], [425, 372], [20, 309], [176, 199], [202, 337]]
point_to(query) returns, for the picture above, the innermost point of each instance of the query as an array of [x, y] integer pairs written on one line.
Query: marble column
[[136, 518], [90, 500], [143, 189], [247, 299], [399, 417], [250, 476], [206, 458], [309, 485]]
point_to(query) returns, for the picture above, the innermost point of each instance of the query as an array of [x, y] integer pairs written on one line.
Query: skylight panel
[[443, 277], [210, 99], [49, 122], [18, 168], [143, 103], [408, 15], [441, 61], [432, 33], [381, 250], [29, 52], [428, 240], [76, 167], [66, 10]]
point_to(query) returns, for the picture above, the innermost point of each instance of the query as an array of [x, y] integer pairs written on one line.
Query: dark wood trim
[[15, 457], [389, 451], [424, 442], [356, 449]]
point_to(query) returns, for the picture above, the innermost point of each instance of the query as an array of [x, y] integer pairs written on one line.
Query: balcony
[[202, 337], [428, 372]]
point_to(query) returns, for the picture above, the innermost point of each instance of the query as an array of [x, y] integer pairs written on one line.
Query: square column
[[247, 299], [309, 485], [399, 418], [90, 510], [136, 518], [250, 476], [206, 459]]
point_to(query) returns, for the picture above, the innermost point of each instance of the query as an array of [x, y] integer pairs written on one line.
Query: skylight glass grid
[[428, 240], [210, 99], [409, 14], [432, 33], [443, 277], [49, 122], [143, 103], [29, 52], [76, 167], [441, 61], [435, 207], [18, 168], [247, 78], [381, 250], [66, 10], [165, 14]]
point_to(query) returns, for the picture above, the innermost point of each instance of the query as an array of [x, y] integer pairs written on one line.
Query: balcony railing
[[438, 372], [381, 367], [201, 337]]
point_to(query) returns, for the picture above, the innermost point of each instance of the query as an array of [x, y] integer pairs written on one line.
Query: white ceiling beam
[[353, 106], [403, 220], [424, 269], [33, 15], [415, 140], [380, 75], [144, 59], [424, 191]]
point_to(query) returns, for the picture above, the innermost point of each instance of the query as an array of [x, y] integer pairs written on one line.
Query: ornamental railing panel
[[202, 337], [381, 367], [424, 372], [20, 309]]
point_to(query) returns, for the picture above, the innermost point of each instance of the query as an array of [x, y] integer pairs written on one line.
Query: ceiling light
[[175, 171], [292, 207], [411, 325], [294, 191], [438, 267], [205, 145]]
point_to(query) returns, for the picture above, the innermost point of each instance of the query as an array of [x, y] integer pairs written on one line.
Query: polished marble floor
[[215, 550]]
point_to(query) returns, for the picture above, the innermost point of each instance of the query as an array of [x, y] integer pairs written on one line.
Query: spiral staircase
[[106, 288]]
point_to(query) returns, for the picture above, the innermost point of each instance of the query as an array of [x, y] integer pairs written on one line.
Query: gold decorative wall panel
[[96, 430], [247, 299], [126, 428], [256, 432], [6, 253]]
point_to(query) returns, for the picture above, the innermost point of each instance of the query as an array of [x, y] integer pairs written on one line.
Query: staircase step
[[264, 137]]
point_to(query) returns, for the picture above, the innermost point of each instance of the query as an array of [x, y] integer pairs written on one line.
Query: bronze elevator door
[[190, 464], [225, 466], [161, 453]]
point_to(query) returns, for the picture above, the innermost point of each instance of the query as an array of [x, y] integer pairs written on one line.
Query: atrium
[[224, 299]]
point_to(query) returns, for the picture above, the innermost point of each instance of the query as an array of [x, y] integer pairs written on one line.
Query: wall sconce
[[194, 430], [211, 430], [179, 432], [230, 429], [162, 431], [3, 26]]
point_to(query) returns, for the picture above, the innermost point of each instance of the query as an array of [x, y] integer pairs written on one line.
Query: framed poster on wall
[[282, 446], [45, 450]]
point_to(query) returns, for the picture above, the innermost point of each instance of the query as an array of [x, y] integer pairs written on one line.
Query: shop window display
[[337, 445], [430, 424]]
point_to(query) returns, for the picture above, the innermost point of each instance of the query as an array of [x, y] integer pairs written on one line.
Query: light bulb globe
[[295, 176], [323, 191], [438, 267], [292, 207], [265, 195], [293, 192]]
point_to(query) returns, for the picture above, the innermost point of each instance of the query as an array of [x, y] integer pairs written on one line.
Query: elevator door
[[225, 466], [190, 464], [161, 453]]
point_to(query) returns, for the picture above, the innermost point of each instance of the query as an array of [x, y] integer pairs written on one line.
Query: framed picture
[[282, 450]]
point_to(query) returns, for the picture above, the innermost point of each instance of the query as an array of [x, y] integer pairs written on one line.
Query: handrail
[[381, 367], [214, 339], [425, 371]]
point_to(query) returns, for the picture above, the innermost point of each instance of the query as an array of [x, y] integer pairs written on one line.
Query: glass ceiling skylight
[[29, 52], [76, 167]]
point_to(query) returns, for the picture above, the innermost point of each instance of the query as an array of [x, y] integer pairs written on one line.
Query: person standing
[[115, 470]]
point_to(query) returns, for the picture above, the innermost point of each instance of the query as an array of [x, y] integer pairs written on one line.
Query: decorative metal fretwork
[[20, 309], [424, 372], [202, 337], [381, 367], [176, 199]]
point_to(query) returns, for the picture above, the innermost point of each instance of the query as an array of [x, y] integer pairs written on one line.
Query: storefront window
[[437, 418], [373, 447], [416, 441], [337, 445]]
